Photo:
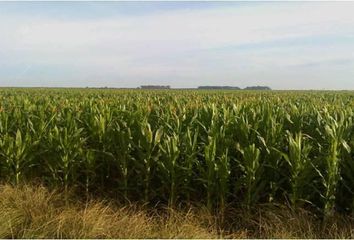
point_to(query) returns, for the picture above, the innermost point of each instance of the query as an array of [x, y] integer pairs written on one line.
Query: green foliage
[[177, 147]]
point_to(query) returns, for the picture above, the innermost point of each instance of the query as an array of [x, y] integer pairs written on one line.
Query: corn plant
[[301, 172], [190, 151], [17, 154], [122, 149], [148, 145], [169, 165], [335, 130], [65, 143], [251, 172]]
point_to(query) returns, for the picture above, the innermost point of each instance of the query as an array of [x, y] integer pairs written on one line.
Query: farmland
[[219, 149]]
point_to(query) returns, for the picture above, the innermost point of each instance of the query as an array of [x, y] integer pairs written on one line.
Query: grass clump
[[35, 212]]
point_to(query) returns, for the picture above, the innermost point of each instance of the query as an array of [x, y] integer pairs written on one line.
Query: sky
[[284, 45]]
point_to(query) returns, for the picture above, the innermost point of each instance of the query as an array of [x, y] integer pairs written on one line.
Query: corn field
[[218, 148]]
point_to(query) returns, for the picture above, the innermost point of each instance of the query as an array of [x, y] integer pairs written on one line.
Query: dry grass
[[35, 212]]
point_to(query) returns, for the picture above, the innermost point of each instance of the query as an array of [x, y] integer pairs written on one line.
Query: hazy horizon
[[283, 45]]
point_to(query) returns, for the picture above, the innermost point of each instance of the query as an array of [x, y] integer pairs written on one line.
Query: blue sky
[[285, 45]]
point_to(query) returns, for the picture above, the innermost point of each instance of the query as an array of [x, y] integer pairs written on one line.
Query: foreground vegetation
[[222, 149], [35, 212]]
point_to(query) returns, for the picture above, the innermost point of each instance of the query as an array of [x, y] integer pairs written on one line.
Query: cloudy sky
[[285, 45]]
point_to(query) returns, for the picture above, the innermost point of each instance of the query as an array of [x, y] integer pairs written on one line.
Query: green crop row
[[178, 147]]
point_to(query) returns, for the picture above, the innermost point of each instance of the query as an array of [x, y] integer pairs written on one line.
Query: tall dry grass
[[36, 212]]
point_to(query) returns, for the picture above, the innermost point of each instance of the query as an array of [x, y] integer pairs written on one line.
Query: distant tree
[[258, 88], [155, 87]]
